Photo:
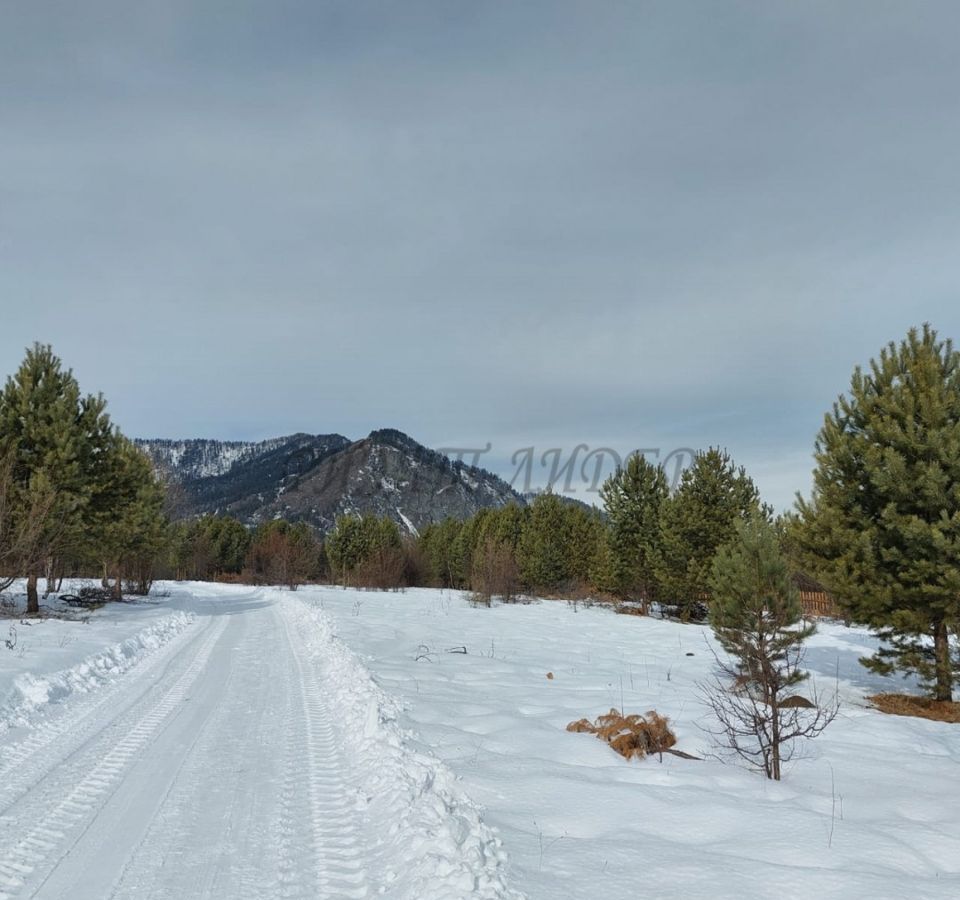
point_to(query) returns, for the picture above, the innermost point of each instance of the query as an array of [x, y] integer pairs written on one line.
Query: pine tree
[[230, 540], [755, 605], [543, 551], [366, 551], [586, 534], [21, 525], [345, 546], [437, 543], [385, 564], [55, 440], [467, 543], [755, 613], [698, 519], [882, 528], [632, 498], [192, 550], [504, 524], [150, 531], [604, 569], [130, 526]]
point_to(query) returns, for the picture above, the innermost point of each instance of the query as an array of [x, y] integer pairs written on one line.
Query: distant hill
[[315, 478]]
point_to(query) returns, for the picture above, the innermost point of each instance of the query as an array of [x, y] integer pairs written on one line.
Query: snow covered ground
[[233, 748], [44, 660], [231, 742], [872, 811]]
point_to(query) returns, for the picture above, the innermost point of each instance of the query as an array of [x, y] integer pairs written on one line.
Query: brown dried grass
[[795, 701], [230, 578], [629, 609], [920, 707], [633, 736], [582, 726]]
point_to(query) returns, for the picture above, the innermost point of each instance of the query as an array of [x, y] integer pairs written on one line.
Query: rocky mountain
[[315, 478], [193, 459]]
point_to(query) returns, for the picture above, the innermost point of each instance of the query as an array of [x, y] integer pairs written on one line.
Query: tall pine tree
[[543, 553], [632, 498], [81, 491], [882, 528], [130, 533], [56, 440], [698, 519]]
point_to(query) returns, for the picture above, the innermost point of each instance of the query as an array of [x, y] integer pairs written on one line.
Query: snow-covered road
[[248, 757]]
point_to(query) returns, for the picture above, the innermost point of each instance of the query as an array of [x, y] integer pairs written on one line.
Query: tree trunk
[[51, 577], [775, 736], [941, 652], [118, 585], [33, 599]]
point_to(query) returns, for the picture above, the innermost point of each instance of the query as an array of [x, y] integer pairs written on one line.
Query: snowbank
[[431, 841], [28, 694]]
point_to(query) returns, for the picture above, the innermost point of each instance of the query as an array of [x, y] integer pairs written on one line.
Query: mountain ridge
[[315, 478]]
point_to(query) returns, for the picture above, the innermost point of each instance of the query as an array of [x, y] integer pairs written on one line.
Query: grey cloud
[[651, 224]]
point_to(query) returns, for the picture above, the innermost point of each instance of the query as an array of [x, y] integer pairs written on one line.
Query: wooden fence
[[819, 603]]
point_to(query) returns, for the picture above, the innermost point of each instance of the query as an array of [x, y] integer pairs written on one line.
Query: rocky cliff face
[[315, 478]]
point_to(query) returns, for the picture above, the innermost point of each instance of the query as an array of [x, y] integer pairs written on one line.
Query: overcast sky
[[635, 224]]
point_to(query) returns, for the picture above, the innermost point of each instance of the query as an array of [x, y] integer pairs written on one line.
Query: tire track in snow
[[210, 834], [52, 741], [47, 843], [327, 858]]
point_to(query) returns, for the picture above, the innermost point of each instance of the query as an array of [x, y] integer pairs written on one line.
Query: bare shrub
[[282, 554], [759, 725], [495, 572], [382, 570]]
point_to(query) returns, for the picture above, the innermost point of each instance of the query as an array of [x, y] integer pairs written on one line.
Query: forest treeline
[[881, 529], [646, 543], [78, 498]]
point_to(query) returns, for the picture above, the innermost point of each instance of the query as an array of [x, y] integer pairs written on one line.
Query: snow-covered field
[[873, 811], [232, 742]]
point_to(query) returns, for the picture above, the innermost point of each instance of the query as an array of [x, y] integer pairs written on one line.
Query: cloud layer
[[621, 224]]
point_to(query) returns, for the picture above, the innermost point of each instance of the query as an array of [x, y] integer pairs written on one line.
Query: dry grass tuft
[[582, 726], [921, 707], [796, 702], [633, 737], [629, 609]]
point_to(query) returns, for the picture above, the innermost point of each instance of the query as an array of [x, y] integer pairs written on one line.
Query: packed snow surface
[[246, 753], [231, 742]]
